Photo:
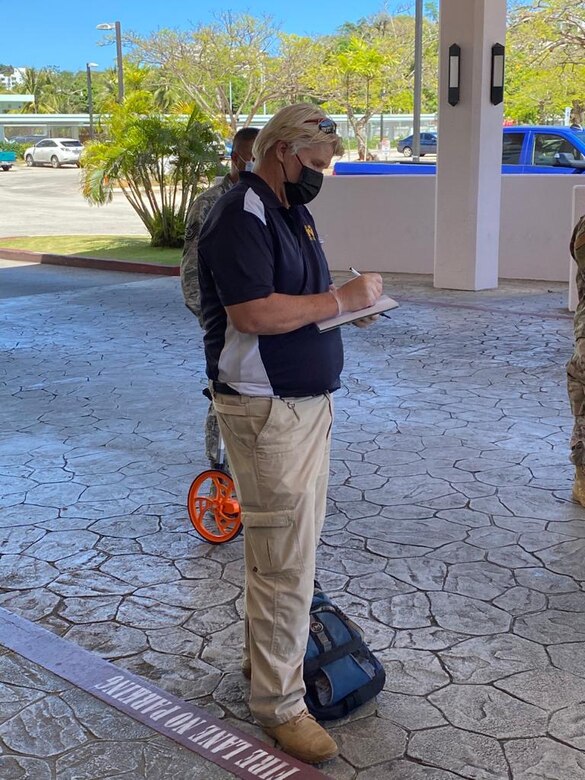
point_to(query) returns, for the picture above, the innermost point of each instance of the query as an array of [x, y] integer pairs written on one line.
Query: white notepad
[[384, 303]]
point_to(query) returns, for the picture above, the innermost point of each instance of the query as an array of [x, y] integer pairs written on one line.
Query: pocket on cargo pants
[[272, 541]]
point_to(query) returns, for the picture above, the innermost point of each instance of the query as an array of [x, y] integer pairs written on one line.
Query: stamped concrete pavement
[[450, 536]]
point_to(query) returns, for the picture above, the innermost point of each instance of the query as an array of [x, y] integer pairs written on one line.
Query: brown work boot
[[302, 737], [579, 485]]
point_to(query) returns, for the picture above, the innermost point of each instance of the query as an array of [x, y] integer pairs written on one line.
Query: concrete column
[[467, 216]]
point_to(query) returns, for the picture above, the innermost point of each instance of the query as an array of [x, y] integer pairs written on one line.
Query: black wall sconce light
[[454, 74], [497, 78]]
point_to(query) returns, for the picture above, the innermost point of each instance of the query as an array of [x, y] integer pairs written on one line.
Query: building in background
[[393, 126], [12, 80], [12, 102]]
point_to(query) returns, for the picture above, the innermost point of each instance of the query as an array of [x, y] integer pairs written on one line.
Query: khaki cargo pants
[[278, 451]]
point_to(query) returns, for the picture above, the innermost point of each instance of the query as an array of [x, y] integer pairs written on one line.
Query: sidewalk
[[450, 536]]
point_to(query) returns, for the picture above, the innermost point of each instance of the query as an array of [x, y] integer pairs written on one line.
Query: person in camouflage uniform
[[241, 158], [576, 367]]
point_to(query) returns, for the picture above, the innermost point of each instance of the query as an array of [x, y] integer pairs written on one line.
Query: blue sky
[[38, 32]]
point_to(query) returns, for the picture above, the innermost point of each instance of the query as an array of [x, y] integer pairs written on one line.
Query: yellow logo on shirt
[[310, 233]]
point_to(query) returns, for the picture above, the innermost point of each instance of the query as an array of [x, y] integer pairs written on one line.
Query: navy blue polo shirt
[[251, 246]]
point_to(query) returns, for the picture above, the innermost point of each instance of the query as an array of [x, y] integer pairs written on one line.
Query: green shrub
[[6, 146], [159, 162]]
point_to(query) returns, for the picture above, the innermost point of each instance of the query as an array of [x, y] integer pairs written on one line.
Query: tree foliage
[[222, 67], [159, 162], [560, 23], [238, 65], [35, 83], [545, 61], [368, 68]]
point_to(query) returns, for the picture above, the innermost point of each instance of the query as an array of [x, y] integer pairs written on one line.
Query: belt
[[223, 389]]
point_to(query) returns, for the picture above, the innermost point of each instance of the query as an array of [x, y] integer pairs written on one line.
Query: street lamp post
[[120, 67], [88, 67], [418, 58], [383, 96]]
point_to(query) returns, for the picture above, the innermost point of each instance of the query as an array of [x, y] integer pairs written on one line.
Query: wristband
[[337, 301]]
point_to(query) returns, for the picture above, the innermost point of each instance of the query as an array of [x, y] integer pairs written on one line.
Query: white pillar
[[467, 217]]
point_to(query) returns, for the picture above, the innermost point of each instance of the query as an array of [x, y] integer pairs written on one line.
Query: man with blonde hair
[[264, 284]]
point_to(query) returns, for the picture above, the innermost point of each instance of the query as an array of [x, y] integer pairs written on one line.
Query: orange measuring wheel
[[213, 507]]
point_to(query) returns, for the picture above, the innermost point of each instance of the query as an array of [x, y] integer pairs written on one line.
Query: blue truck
[[528, 149], [7, 160]]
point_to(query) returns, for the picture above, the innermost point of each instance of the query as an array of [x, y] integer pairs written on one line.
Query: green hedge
[[6, 146]]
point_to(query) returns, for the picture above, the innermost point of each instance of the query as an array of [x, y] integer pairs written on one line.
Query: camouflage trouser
[[211, 437], [576, 390]]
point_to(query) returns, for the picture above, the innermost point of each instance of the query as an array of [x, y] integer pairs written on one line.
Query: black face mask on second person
[[306, 188]]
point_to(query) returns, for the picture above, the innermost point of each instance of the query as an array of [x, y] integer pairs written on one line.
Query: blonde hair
[[298, 126]]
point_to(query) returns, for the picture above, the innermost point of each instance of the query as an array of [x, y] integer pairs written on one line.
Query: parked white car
[[55, 152]]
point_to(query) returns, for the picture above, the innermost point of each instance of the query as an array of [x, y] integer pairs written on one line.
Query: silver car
[[55, 152]]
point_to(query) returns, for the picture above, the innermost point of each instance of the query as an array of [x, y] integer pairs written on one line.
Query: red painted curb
[[99, 263], [241, 754]]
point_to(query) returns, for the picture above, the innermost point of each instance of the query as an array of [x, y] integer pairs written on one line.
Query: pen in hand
[[355, 272]]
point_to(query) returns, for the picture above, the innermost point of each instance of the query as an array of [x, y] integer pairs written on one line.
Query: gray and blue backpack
[[340, 671]]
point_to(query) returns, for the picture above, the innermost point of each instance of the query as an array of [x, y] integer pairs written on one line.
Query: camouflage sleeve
[[189, 264], [577, 246], [576, 391]]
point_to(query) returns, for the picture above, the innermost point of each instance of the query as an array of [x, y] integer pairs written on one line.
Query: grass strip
[[133, 249]]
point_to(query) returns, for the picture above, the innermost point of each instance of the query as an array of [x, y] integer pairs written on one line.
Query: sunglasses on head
[[326, 125]]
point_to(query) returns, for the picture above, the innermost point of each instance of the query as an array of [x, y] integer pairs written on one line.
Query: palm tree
[[158, 162], [34, 82]]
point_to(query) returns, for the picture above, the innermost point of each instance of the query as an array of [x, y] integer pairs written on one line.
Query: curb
[[98, 263]]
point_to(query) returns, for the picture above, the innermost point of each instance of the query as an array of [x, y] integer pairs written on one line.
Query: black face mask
[[306, 188]]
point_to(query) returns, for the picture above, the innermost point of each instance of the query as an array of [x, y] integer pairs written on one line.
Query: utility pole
[[88, 67], [418, 51]]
